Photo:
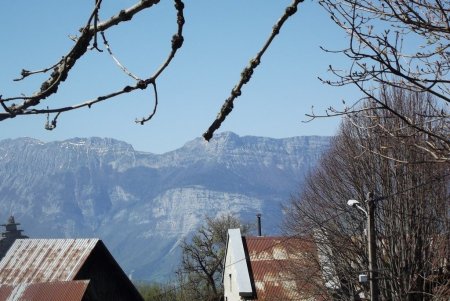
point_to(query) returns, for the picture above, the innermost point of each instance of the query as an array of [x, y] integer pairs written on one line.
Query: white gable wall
[[236, 275]]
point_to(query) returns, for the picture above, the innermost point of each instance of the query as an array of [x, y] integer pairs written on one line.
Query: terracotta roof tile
[[272, 260]]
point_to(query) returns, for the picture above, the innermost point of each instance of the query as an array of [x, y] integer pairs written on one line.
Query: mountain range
[[142, 205]]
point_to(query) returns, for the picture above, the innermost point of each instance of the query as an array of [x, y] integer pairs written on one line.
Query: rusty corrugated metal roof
[[272, 260], [45, 291], [44, 260], [5, 291]]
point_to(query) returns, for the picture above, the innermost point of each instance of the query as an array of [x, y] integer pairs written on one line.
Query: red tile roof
[[284, 268]]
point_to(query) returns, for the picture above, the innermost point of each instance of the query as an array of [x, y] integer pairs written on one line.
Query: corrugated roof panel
[[45, 291], [44, 260], [55, 291], [5, 291]]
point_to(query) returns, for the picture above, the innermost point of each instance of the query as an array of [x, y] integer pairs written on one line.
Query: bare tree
[[401, 44], [409, 114], [412, 214], [203, 259]]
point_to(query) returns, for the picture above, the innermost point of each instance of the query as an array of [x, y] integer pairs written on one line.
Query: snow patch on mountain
[[142, 205]]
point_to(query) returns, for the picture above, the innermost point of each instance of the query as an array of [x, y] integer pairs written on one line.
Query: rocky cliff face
[[142, 205]]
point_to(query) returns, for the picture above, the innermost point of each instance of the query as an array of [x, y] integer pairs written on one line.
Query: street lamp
[[356, 204], [371, 245]]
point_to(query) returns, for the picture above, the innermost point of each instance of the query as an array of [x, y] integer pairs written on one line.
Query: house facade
[[237, 277], [272, 268]]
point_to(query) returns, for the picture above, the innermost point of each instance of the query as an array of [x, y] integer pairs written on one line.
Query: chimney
[[259, 224]]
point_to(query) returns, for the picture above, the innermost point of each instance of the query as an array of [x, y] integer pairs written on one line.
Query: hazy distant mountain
[[143, 204]]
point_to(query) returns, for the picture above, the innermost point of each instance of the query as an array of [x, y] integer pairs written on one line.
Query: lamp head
[[352, 203]]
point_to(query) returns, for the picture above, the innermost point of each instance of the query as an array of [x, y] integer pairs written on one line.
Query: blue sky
[[220, 38]]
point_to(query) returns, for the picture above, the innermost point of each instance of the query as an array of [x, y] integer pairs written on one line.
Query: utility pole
[[372, 248]]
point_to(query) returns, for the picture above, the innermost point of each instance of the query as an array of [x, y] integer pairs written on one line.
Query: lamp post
[[371, 245]]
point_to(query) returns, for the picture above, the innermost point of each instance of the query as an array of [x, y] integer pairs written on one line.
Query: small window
[[231, 288]]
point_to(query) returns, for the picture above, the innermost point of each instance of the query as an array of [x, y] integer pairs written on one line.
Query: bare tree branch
[[63, 67], [400, 44], [247, 73]]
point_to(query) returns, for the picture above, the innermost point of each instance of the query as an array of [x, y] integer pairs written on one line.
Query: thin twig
[[124, 69]]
